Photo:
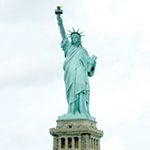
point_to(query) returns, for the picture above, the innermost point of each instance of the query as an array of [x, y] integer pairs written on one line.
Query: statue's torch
[[58, 10]]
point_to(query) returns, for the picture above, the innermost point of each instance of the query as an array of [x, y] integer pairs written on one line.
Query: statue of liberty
[[78, 66]]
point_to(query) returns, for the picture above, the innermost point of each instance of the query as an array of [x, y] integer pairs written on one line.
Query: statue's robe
[[77, 67]]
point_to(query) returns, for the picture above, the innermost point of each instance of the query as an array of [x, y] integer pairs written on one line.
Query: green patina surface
[[78, 66]]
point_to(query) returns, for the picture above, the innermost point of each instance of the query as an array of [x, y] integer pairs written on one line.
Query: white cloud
[[114, 143], [20, 11], [144, 43], [146, 120], [118, 15]]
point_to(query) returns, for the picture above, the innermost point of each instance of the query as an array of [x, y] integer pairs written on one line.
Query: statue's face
[[75, 38]]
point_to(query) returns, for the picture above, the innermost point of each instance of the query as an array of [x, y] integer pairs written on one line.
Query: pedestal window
[[69, 142], [62, 142], [76, 142]]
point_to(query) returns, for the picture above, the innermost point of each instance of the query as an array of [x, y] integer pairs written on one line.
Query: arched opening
[[76, 142], [62, 142], [97, 144], [69, 142], [92, 143]]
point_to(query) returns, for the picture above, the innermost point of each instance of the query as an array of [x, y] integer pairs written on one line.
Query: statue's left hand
[[94, 57], [93, 60]]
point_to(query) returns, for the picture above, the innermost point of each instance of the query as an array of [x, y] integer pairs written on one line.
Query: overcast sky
[[32, 90]]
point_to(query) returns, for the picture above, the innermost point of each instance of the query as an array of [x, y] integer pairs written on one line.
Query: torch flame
[[59, 6]]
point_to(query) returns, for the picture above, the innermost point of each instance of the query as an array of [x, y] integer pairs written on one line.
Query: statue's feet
[[77, 115]]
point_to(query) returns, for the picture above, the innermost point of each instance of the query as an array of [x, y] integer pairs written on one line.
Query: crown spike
[[73, 29], [75, 32], [69, 31], [78, 30], [81, 32]]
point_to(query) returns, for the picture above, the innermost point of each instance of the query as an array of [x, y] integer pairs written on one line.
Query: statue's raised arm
[[58, 12]]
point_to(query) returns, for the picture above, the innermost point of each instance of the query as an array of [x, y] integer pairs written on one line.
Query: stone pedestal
[[76, 134]]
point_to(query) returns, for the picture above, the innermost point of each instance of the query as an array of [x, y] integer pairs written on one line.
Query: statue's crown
[[75, 32]]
